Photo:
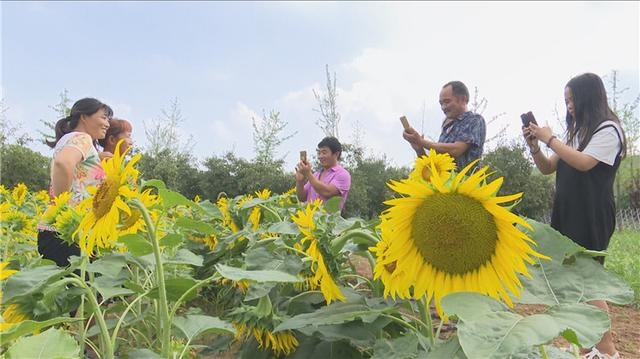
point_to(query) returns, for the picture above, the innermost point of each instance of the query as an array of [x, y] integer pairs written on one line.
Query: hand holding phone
[[528, 118]]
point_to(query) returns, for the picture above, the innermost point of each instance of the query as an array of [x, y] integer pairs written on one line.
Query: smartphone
[[405, 123], [303, 156], [528, 118]]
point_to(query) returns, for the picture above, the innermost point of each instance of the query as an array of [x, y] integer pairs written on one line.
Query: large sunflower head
[[452, 234], [99, 225], [443, 164]]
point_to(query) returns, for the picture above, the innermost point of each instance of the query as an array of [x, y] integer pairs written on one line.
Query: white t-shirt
[[605, 144]]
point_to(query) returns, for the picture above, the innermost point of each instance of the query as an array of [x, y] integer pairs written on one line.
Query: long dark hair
[[591, 108], [86, 106]]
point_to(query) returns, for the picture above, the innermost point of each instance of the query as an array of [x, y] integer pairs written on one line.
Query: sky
[[228, 62]]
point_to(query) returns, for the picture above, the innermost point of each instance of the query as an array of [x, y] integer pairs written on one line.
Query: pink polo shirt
[[337, 176]]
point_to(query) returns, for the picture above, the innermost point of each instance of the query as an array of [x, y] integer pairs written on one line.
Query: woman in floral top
[[74, 167]]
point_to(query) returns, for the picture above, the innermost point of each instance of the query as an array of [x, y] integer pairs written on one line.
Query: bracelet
[[533, 153], [551, 138]]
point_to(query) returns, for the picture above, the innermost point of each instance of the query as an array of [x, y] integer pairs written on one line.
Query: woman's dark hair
[[116, 127], [333, 144], [459, 89], [86, 106], [591, 108]]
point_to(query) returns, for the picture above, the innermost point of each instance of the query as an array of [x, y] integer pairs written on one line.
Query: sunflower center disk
[[104, 198], [454, 233]]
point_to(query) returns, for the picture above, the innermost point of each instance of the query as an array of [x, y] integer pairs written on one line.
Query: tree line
[[169, 158]]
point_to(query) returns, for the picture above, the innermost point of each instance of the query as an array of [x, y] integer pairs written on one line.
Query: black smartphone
[[528, 118]]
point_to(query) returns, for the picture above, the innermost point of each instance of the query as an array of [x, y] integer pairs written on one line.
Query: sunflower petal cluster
[[310, 245], [451, 233], [102, 210], [443, 163]]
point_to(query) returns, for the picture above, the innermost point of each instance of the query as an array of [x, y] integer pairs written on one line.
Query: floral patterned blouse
[[88, 172]]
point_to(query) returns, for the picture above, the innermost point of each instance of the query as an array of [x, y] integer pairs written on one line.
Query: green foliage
[[51, 344], [267, 136], [175, 169], [369, 189], [21, 164], [510, 162], [235, 176], [623, 258]]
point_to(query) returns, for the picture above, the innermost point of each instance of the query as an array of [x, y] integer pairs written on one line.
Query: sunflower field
[[263, 276]]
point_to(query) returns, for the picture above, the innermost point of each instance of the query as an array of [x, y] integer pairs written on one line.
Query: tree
[[167, 157], [62, 109], [267, 136], [10, 131], [627, 113], [329, 116], [163, 133], [21, 164], [509, 161], [479, 105]]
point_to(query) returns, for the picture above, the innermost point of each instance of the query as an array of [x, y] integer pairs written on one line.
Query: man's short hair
[[460, 90], [332, 143]]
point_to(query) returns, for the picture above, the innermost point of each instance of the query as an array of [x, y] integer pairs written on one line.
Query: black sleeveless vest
[[583, 206]]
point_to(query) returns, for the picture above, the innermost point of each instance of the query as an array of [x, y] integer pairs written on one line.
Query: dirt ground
[[625, 319]]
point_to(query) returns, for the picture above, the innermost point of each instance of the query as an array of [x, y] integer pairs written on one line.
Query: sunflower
[[6, 273], [107, 200], [19, 194], [254, 217], [322, 278], [443, 163], [133, 222], [19, 222], [60, 202], [227, 219], [451, 234], [284, 342], [11, 315]]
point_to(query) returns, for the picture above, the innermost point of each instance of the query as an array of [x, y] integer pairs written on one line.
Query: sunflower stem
[[543, 351], [213, 278], [271, 210], [80, 312], [162, 291], [104, 332], [340, 241], [425, 312]]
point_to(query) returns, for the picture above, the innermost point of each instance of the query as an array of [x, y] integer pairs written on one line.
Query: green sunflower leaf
[[237, 274], [52, 344], [335, 313], [194, 325], [29, 281], [30, 326]]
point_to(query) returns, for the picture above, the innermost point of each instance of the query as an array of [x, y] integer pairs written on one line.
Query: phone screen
[[303, 156]]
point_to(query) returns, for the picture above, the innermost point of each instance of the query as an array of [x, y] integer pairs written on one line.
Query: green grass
[[624, 258]]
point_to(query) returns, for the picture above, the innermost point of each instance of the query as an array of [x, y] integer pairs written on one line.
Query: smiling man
[[463, 132], [333, 180]]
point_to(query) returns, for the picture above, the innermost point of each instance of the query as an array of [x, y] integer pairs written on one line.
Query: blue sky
[[226, 62]]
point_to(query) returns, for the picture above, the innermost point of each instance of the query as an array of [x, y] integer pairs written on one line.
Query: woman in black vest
[[585, 163]]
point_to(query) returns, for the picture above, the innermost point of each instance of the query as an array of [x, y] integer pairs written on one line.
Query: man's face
[[326, 158], [451, 105]]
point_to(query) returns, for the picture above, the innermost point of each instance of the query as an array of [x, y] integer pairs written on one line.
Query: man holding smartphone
[[463, 132], [333, 180]]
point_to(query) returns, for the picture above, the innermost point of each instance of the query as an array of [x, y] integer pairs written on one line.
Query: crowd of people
[[585, 161]]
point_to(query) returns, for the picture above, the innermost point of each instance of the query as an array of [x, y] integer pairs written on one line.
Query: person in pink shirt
[[333, 180]]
